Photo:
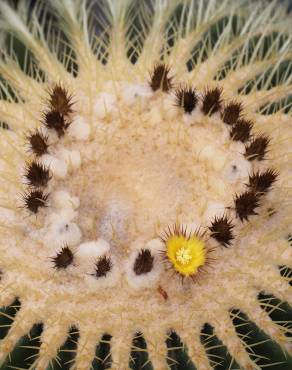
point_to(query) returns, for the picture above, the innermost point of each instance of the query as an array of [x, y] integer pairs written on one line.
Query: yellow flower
[[187, 254]]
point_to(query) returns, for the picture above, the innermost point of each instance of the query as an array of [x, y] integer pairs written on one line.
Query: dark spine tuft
[[144, 262], [257, 148], [186, 98], [35, 199], [241, 130], [63, 258], [262, 182], [53, 120], [245, 204], [102, 266], [37, 174], [60, 100], [221, 230], [160, 78], [38, 143], [231, 113], [212, 101]]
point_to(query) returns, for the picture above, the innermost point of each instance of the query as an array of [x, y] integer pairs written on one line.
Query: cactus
[[145, 185]]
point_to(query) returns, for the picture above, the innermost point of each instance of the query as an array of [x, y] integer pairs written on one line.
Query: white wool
[[57, 166], [237, 168], [193, 117], [237, 147], [62, 199], [113, 223], [144, 280], [131, 92], [213, 209], [67, 214], [215, 156], [104, 103], [169, 107], [91, 250], [155, 245], [52, 135], [62, 232], [79, 129], [71, 157]]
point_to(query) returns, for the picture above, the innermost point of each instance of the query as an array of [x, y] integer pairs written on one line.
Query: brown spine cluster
[[60, 107], [159, 78], [186, 97], [231, 113], [246, 204], [221, 230], [35, 199], [212, 101], [60, 101], [241, 130], [38, 143], [63, 259], [257, 148], [262, 182], [102, 267], [144, 262], [37, 175]]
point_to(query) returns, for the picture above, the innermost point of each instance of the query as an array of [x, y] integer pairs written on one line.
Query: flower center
[[183, 255]]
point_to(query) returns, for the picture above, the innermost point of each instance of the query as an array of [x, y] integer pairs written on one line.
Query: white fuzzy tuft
[[57, 166], [62, 199], [104, 103], [148, 279], [79, 129], [132, 92], [71, 157], [62, 232], [90, 251]]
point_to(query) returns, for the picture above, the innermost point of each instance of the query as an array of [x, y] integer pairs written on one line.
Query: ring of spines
[[102, 267], [143, 262], [63, 259], [38, 175], [221, 230]]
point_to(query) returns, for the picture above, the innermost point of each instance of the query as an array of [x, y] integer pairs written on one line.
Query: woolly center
[[132, 190]]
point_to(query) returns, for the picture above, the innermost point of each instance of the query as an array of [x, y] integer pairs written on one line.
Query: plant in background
[[145, 185]]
